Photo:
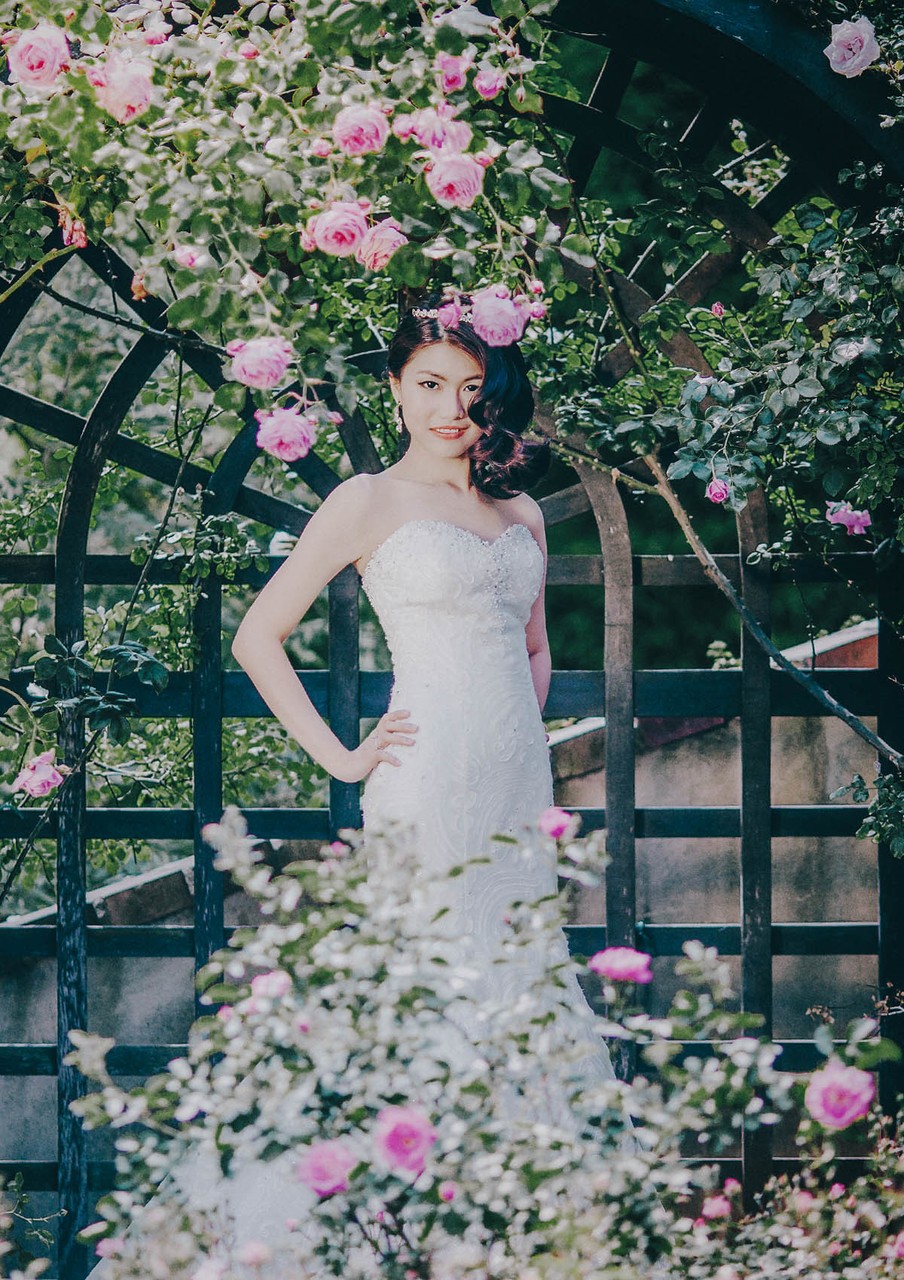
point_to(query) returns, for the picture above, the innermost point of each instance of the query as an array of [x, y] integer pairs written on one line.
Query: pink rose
[[894, 1247], [838, 1095], [836, 1190], [537, 310], [447, 1191], [73, 229], [499, 321], [339, 229], [186, 255], [852, 47], [621, 964], [287, 433], [403, 1136], [260, 363], [137, 287], [536, 287], [731, 1186], [489, 81], [717, 309], [358, 130], [321, 147], [380, 243], [449, 314], [455, 181], [558, 822], [157, 31], [436, 128], [272, 985], [804, 1201], [123, 85], [225, 1013], [38, 56], [717, 490], [39, 776], [454, 70], [249, 50], [109, 1247], [843, 513], [325, 1166], [403, 126], [716, 1207], [254, 1253]]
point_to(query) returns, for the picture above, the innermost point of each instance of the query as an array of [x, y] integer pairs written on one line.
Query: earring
[[400, 419]]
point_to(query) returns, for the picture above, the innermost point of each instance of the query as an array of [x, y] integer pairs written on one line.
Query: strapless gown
[[453, 607]]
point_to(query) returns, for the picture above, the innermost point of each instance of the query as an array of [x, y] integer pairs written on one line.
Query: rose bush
[[354, 1076]]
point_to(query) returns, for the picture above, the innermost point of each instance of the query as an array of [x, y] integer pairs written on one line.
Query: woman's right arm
[[333, 537]]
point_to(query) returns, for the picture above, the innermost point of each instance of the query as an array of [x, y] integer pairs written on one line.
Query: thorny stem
[[715, 574]]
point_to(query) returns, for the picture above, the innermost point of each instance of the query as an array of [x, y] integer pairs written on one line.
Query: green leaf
[[524, 100], [578, 249], [553, 187]]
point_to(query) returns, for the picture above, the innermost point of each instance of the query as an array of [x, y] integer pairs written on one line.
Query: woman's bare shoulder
[[525, 510]]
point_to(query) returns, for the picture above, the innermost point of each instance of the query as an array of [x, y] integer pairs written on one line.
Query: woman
[[452, 556]]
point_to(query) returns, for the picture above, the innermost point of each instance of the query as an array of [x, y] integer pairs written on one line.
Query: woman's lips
[[449, 433]]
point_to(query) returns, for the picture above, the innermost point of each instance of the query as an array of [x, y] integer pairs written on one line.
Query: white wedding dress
[[453, 607]]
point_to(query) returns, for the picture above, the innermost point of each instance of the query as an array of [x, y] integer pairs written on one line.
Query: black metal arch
[[745, 59]]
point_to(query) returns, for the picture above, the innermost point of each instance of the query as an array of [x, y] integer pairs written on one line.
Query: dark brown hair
[[502, 462]]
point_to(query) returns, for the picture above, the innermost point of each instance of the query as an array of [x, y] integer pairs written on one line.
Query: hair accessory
[[432, 313]]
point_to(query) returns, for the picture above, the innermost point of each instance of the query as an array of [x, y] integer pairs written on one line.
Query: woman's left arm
[[537, 639]]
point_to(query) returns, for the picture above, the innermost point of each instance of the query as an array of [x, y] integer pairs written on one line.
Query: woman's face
[[435, 389]]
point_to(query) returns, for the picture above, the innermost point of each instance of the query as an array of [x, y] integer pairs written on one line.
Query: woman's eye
[[428, 382]]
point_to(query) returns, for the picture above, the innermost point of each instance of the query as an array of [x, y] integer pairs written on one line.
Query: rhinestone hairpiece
[[432, 313]]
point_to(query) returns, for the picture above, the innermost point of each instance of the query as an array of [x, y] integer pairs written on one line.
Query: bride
[[452, 555]]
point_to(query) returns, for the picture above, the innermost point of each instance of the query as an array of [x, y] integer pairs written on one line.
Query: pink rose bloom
[[717, 309], [449, 314], [339, 230], [716, 1207], [455, 182], [447, 1191], [73, 229], [537, 310], [489, 81], [557, 822], [186, 255], [621, 964], [454, 70], [325, 1166], [804, 1200], [260, 363], [717, 490], [321, 147], [254, 1253], [137, 287], [836, 1190], [110, 1247], [39, 776], [843, 513], [249, 50], [38, 56], [435, 127], [852, 47], [123, 86], [838, 1095], [731, 1186], [536, 287], [225, 1013], [403, 1136], [287, 434], [403, 126], [895, 1246], [271, 985], [157, 33], [380, 243], [499, 321], [358, 130]]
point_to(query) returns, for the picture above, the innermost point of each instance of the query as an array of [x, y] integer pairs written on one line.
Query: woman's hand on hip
[[392, 730]]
